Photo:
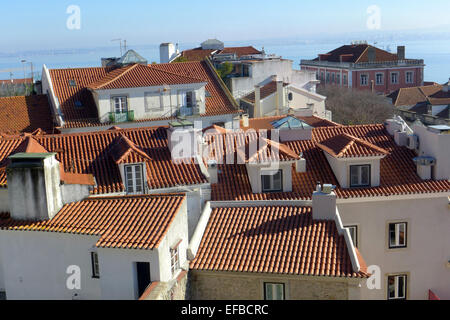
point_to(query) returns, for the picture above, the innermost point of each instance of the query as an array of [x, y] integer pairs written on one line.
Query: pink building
[[362, 66]]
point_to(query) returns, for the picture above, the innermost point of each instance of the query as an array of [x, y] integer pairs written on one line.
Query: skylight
[[290, 122]]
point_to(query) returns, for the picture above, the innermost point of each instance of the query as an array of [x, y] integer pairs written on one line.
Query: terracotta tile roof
[[25, 114], [137, 75], [77, 178], [273, 239], [398, 173], [347, 146], [266, 150], [133, 222], [266, 91], [265, 123], [240, 51], [196, 54], [87, 116], [357, 53], [413, 95], [94, 153], [16, 81]]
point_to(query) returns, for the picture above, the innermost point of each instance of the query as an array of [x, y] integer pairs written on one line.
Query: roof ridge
[[176, 74], [139, 196], [121, 74]]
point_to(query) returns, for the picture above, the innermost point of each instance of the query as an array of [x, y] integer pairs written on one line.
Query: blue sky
[[34, 25]]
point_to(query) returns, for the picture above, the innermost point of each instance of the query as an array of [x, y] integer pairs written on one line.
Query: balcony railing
[[116, 117], [188, 111]]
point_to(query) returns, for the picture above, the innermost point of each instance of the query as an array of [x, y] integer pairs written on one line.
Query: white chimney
[[257, 112], [167, 52], [213, 171], [245, 121], [324, 203], [34, 186], [300, 165], [280, 97]]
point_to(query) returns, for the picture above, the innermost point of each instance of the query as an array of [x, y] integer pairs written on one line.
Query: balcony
[[117, 117], [188, 111]]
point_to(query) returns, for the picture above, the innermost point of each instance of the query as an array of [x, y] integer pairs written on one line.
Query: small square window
[[360, 176], [72, 83], [274, 291], [397, 287], [272, 181], [397, 235]]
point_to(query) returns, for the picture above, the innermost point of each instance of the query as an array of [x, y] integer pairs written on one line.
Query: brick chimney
[[34, 189], [324, 203], [371, 54], [401, 52]]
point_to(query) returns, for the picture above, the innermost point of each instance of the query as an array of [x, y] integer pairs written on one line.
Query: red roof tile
[[133, 222], [240, 51], [347, 146], [137, 75], [277, 240], [196, 54], [25, 114], [398, 173], [266, 91], [357, 53], [94, 153]]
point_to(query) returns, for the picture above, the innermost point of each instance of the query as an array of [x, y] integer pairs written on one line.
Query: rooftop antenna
[[125, 45], [120, 43]]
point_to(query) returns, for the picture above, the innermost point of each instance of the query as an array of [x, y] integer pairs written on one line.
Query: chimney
[[324, 203], [34, 189], [371, 54], [257, 112], [213, 171], [166, 52], [300, 165], [245, 122], [446, 85], [401, 52], [280, 97]]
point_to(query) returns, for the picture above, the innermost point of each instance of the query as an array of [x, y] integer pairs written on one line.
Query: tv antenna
[[122, 47]]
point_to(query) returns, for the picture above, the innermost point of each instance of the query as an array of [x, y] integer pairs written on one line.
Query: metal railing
[[117, 117], [362, 65]]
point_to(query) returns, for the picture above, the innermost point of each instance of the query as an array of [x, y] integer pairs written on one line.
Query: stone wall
[[175, 290], [205, 285]]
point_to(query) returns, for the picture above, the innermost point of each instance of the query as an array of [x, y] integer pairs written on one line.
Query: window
[[153, 101], [360, 176], [338, 78], [273, 291], [397, 287], [354, 234], [322, 77], [328, 77], [95, 267], [394, 77], [344, 79], [134, 179], [120, 104], [290, 96], [332, 77], [397, 235], [364, 79], [409, 77], [174, 259], [379, 78], [245, 70], [272, 181], [72, 83]]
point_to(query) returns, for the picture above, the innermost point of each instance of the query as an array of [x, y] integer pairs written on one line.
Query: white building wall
[[4, 200], [137, 101], [425, 260], [35, 265]]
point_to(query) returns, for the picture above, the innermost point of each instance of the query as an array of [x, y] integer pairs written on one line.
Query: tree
[[351, 107], [225, 69], [180, 59]]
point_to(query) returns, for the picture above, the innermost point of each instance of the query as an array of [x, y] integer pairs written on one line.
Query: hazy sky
[[34, 25]]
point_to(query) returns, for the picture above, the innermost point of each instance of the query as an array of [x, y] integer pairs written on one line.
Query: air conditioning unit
[[413, 142]]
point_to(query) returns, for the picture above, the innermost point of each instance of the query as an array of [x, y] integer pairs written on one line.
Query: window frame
[[382, 79], [405, 286], [406, 77], [272, 182], [361, 79], [133, 173], [266, 284], [397, 78], [360, 185], [175, 258], [344, 79], [338, 78], [95, 265], [397, 236], [154, 94], [122, 106], [354, 239]]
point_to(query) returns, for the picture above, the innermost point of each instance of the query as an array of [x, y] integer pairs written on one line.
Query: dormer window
[[72, 83], [272, 181], [134, 179], [360, 176]]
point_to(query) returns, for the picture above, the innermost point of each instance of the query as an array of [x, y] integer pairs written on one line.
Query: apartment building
[[364, 67]]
